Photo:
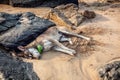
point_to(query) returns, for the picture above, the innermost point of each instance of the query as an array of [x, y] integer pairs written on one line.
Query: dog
[[50, 40]]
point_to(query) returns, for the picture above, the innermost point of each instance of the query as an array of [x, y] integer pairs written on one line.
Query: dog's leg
[[57, 43], [74, 34], [63, 39], [62, 50]]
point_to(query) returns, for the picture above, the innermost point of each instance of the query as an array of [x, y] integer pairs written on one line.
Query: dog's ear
[[21, 48]]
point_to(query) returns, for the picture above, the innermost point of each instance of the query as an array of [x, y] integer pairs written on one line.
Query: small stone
[[89, 14]]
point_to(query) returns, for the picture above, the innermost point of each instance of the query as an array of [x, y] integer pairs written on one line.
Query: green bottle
[[39, 48]]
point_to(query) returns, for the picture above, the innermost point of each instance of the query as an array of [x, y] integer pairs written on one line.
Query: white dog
[[51, 39]]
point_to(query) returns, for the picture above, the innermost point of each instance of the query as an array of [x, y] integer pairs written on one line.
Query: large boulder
[[69, 15], [27, 28], [34, 3], [15, 69]]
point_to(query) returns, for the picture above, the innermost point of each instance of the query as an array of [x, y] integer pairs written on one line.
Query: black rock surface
[[34, 3], [8, 21], [25, 3], [26, 28], [110, 71], [15, 69]]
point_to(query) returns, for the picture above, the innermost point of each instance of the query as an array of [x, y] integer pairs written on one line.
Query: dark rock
[[34, 3], [110, 71], [89, 14], [116, 76], [15, 69], [4, 1], [72, 1], [54, 3], [25, 3], [27, 28], [8, 21], [108, 67], [113, 1]]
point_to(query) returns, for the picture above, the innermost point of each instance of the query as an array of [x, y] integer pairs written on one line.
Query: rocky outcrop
[[15, 69], [8, 21], [34, 3], [68, 15], [110, 71], [25, 3], [22, 3], [26, 27]]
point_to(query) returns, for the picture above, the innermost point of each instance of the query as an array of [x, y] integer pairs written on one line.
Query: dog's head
[[30, 52]]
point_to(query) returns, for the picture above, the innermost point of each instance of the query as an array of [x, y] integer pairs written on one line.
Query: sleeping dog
[[50, 40]]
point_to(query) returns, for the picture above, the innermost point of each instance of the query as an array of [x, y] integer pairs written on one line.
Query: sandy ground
[[104, 29]]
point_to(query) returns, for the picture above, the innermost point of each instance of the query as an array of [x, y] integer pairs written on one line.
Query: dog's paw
[[70, 41], [74, 52]]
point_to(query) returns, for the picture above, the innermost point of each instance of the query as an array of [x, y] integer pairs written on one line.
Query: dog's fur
[[51, 40]]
